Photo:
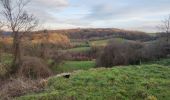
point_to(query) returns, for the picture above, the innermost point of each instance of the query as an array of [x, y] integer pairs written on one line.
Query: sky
[[140, 15]]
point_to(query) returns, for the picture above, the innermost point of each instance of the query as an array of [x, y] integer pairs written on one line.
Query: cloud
[[136, 14], [135, 8], [51, 3], [45, 10]]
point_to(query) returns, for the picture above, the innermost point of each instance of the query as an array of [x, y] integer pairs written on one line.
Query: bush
[[120, 53], [155, 50], [33, 67], [58, 57], [132, 52]]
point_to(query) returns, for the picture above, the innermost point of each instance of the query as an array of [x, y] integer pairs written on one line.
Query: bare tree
[[19, 22], [166, 27], [1, 25]]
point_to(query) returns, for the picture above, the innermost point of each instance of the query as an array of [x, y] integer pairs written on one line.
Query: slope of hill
[[106, 33], [144, 82]]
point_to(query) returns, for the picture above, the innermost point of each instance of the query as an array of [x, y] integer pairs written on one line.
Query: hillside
[[104, 33], [148, 81]]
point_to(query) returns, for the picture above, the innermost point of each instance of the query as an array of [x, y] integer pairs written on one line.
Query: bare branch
[[1, 25], [15, 14], [166, 25]]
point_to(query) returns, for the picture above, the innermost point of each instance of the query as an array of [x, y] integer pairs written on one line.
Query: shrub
[[120, 53], [58, 57], [155, 50], [33, 67], [95, 51], [132, 52]]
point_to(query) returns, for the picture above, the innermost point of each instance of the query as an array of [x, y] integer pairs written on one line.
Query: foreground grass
[[148, 81], [69, 66]]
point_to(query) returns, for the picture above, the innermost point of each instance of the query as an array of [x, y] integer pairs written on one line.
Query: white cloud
[[131, 14], [52, 3]]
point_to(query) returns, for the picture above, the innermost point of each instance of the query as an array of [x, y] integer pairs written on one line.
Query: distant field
[[80, 43], [142, 82], [78, 49], [85, 46], [104, 42], [99, 42], [69, 66]]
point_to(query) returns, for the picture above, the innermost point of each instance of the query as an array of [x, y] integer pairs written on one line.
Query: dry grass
[[17, 87]]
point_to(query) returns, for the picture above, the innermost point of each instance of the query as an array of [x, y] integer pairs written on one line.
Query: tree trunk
[[16, 52]]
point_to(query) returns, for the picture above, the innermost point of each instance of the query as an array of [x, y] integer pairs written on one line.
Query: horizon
[[39, 30]]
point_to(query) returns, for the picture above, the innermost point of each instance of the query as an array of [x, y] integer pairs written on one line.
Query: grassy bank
[[148, 81]]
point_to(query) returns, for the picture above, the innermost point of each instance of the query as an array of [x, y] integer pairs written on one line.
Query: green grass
[[5, 58], [83, 46], [104, 42], [144, 82], [100, 42], [164, 62], [69, 66], [80, 43], [5, 64], [78, 49]]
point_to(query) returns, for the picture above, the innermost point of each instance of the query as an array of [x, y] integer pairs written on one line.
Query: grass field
[[80, 43], [83, 46], [79, 49], [104, 42], [100, 42], [69, 66], [144, 82]]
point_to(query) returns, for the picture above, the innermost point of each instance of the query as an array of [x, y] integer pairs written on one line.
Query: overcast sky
[[142, 15]]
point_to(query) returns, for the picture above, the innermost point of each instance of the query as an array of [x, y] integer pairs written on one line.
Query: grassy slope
[[148, 81], [69, 66]]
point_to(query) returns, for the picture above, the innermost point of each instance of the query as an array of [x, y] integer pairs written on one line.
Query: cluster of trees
[[130, 53]]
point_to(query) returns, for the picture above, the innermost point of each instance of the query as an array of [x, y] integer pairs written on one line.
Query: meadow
[[78, 49], [139, 82]]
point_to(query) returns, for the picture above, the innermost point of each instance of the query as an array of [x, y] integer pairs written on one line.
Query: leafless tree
[[1, 25], [166, 27], [19, 22]]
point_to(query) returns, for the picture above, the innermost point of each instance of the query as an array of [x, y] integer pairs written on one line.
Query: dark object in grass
[[65, 75]]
